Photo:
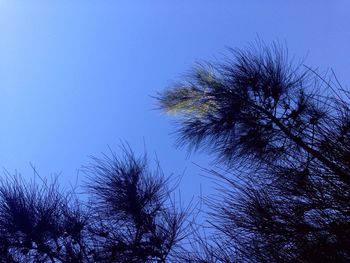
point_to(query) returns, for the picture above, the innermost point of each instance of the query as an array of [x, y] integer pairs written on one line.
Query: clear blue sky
[[76, 76]]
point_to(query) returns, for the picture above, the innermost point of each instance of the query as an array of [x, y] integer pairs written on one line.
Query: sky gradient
[[77, 76]]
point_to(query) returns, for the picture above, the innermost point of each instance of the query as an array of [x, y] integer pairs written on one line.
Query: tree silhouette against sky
[[280, 134], [129, 216], [282, 130]]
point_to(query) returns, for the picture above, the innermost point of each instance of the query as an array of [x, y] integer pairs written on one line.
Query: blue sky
[[77, 76]]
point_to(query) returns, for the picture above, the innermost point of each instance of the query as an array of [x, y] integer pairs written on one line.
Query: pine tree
[[282, 130], [129, 216]]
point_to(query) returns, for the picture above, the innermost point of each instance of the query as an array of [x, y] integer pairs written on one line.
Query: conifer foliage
[[129, 216], [282, 130], [280, 133]]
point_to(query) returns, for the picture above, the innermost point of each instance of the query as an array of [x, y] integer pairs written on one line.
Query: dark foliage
[[284, 132], [39, 224], [134, 219], [130, 217]]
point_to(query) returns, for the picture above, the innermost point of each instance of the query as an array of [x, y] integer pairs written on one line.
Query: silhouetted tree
[[39, 223], [129, 217], [283, 132], [280, 129], [134, 218]]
